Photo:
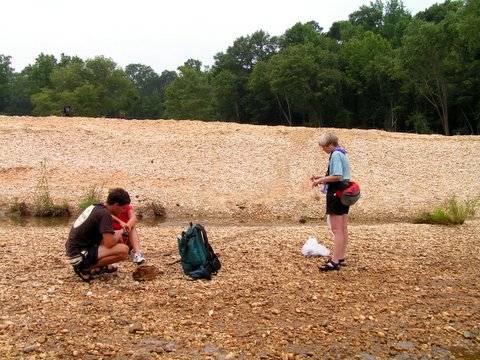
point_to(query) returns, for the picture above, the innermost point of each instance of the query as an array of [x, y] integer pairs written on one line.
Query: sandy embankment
[[223, 170]]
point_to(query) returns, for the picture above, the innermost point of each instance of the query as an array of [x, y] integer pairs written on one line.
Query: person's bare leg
[[107, 256], [134, 240], [118, 234], [338, 237], [343, 250], [134, 243]]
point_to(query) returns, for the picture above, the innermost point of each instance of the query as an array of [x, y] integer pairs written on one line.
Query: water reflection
[[59, 221], [35, 221], [26, 221]]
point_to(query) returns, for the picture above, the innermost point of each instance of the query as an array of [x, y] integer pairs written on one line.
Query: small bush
[[450, 212], [93, 195], [18, 208], [52, 210], [151, 211], [44, 206], [158, 209]]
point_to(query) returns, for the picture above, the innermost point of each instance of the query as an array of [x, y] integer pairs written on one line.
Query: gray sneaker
[[138, 258]]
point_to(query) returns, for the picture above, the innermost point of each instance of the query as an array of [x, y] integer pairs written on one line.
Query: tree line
[[382, 68]]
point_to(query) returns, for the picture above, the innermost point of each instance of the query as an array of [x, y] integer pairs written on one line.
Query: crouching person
[[92, 247]]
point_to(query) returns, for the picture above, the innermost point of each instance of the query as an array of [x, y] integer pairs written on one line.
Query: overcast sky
[[160, 34]]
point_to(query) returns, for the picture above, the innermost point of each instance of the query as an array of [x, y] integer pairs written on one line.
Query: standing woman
[[336, 178]]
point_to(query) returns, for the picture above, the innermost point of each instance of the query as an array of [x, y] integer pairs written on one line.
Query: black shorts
[[334, 205], [90, 259]]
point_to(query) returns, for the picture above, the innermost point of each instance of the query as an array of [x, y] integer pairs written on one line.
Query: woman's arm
[[326, 179], [125, 226], [132, 218]]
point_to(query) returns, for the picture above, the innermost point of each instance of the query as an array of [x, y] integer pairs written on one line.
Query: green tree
[[149, 103], [467, 102], [6, 77], [68, 77], [395, 21], [291, 75], [468, 25], [31, 80], [39, 73], [438, 12], [344, 30], [369, 17], [367, 62], [143, 77], [66, 60], [156, 101], [46, 102], [227, 94], [423, 59], [231, 73], [302, 33], [19, 102], [304, 81], [189, 95], [265, 109], [96, 87]]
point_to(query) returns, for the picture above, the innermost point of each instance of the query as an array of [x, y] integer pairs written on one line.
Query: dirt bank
[[231, 170]]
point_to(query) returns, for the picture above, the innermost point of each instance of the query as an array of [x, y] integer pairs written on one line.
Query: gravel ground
[[408, 291]]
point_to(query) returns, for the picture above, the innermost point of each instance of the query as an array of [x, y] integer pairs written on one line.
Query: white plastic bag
[[313, 248]]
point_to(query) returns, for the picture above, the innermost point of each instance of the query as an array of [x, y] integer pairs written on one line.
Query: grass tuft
[[92, 195], [18, 209], [43, 203], [451, 212]]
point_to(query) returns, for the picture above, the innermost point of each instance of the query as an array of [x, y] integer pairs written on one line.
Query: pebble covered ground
[[409, 291]]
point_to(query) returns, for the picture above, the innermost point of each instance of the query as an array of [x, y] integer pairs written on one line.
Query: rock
[[41, 339], [366, 356], [135, 327], [145, 273], [120, 321], [403, 345], [30, 348]]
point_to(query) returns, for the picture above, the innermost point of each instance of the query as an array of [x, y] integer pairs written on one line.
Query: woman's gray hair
[[328, 138]]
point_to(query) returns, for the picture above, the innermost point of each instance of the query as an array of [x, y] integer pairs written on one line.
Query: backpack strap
[[204, 235], [202, 229], [210, 253], [328, 165], [339, 149]]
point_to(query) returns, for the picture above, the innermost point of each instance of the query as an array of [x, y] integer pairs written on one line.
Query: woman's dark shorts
[[334, 205]]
